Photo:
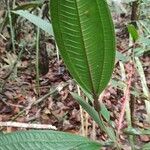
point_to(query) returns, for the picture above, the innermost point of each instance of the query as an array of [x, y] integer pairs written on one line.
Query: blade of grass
[[144, 86], [36, 20]]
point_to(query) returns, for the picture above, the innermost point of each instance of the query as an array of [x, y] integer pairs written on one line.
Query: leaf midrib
[[64, 47], [86, 57], [103, 47]]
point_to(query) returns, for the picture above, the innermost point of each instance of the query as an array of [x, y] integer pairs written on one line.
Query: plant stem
[[37, 61], [107, 128], [135, 12], [14, 3], [144, 86], [58, 59], [11, 26], [81, 114], [127, 99], [132, 98], [97, 105]]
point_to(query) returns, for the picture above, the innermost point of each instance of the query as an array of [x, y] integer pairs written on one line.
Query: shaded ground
[[19, 91]]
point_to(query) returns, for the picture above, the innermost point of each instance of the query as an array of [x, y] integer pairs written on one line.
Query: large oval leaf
[[84, 33], [46, 140]]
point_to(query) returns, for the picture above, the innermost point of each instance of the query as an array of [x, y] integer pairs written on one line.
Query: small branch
[[13, 105], [3, 37], [27, 125], [135, 12], [125, 98], [81, 114], [59, 88], [37, 61], [7, 76], [11, 26]]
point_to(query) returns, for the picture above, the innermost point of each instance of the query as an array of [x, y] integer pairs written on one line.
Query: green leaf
[[136, 131], [43, 24], [29, 5], [89, 109], [84, 34], [88, 95], [133, 32], [46, 140], [93, 113], [122, 57], [111, 133], [146, 146], [105, 112], [1, 133]]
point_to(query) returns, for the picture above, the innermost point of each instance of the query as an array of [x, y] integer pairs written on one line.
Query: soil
[[19, 89]]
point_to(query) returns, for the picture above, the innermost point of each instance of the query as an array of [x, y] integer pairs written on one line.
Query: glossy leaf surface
[[84, 33]]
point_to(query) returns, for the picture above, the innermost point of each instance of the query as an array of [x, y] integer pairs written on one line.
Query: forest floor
[[19, 90]]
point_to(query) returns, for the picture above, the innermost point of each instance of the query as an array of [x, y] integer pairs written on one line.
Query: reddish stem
[[125, 97]]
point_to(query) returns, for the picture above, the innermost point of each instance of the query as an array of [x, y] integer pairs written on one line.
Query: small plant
[[84, 34]]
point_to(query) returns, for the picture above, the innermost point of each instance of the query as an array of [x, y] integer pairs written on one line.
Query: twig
[[58, 59], [12, 70], [11, 26], [86, 120], [93, 134], [35, 103], [9, 104], [135, 12], [130, 101], [27, 125], [37, 61], [59, 88], [81, 114], [3, 37], [144, 86], [125, 98]]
